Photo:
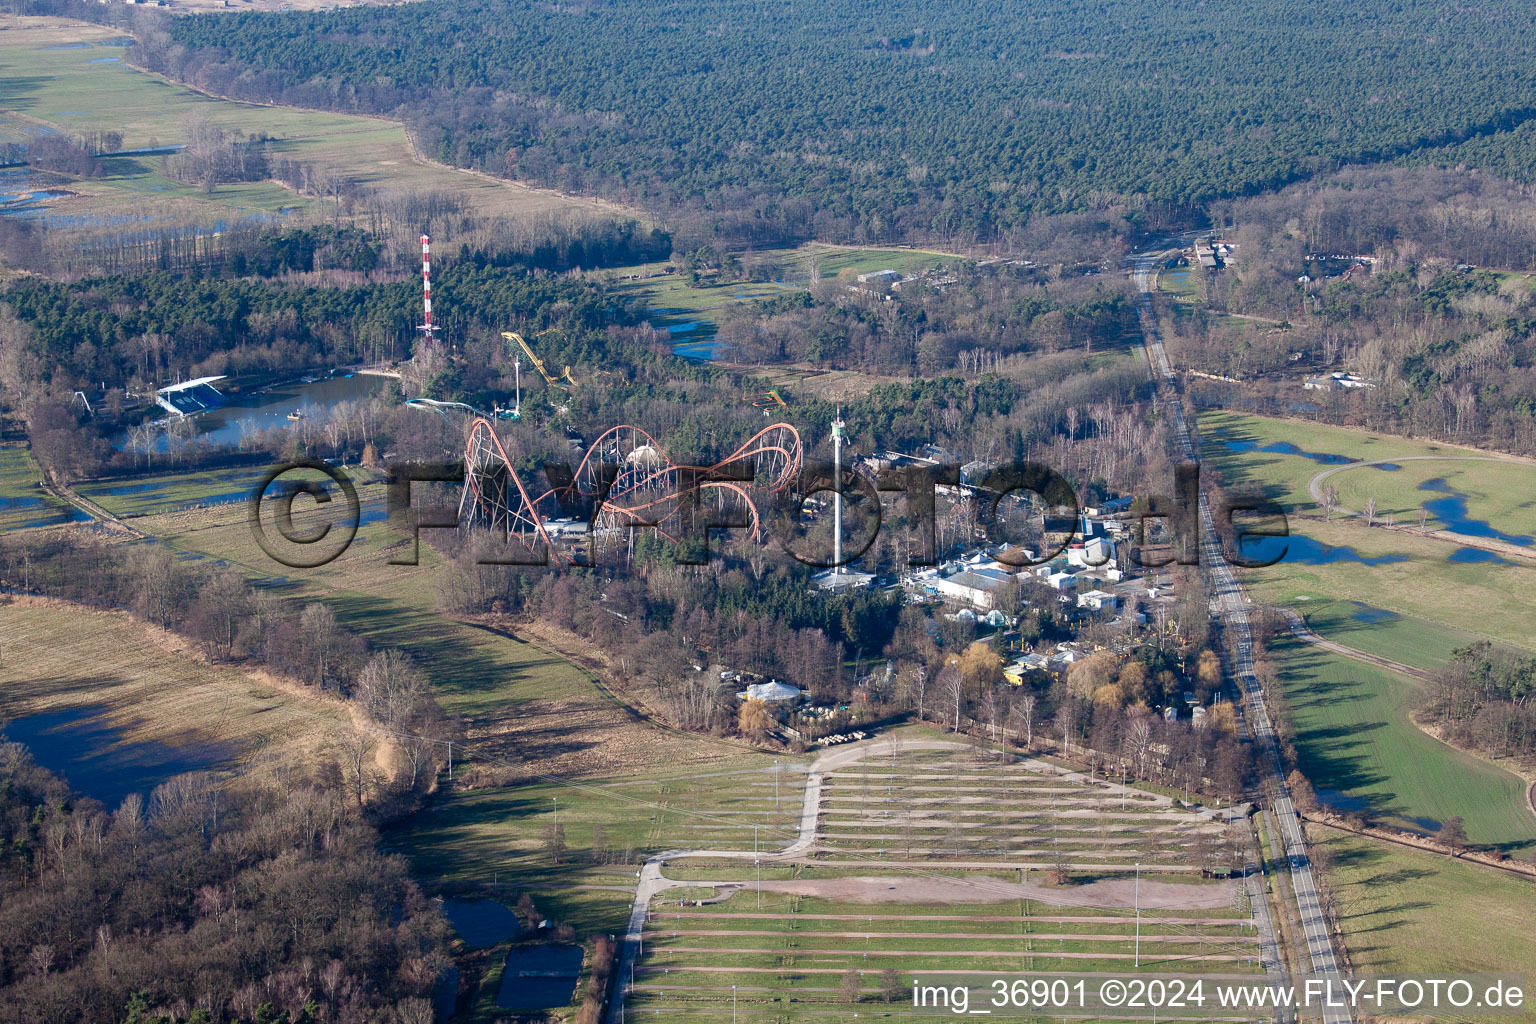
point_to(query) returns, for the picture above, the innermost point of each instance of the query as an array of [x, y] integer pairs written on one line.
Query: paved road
[[1229, 604]]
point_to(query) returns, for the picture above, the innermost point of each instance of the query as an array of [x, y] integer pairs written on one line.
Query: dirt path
[[1301, 631], [932, 888], [1146, 919], [972, 954], [1207, 940], [1315, 488]]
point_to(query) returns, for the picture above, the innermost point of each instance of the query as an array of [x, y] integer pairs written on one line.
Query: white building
[[846, 579], [772, 692], [1098, 600], [1061, 581], [976, 586], [1093, 552]]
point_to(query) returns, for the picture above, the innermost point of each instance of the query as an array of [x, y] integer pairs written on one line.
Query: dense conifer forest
[[898, 118]]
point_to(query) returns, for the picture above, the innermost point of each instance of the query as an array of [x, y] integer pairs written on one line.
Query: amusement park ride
[[625, 479], [565, 382]]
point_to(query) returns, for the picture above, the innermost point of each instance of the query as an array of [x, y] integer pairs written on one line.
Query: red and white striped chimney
[[427, 325]]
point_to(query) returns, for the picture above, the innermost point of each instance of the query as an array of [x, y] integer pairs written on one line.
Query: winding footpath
[[1301, 631], [1230, 606], [1315, 485]]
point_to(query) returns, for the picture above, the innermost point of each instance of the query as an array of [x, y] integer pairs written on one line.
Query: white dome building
[[772, 692]]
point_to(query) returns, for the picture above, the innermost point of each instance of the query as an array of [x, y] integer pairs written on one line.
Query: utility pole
[[557, 812], [837, 494], [1138, 914]]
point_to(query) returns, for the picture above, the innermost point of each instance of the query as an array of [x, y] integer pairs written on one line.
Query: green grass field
[[1458, 599], [23, 502], [1496, 493], [1176, 282], [44, 77], [934, 806], [479, 836], [693, 312], [1285, 475], [169, 492], [1423, 915], [1355, 740], [1402, 638], [871, 900], [60, 658]]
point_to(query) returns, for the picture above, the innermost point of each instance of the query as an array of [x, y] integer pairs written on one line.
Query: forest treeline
[[978, 318], [1482, 699], [147, 329], [1440, 313], [878, 121], [256, 899], [230, 621]]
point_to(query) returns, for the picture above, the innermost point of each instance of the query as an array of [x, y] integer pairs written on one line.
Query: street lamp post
[[1138, 914]]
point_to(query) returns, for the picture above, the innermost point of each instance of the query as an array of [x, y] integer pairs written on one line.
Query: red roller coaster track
[[628, 480]]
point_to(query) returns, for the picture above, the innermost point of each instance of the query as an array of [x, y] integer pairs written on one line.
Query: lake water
[[1451, 510], [539, 978], [89, 751], [1286, 448], [1303, 550], [482, 923], [271, 408]]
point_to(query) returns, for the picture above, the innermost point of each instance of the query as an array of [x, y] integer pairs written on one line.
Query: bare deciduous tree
[[951, 684], [356, 745]]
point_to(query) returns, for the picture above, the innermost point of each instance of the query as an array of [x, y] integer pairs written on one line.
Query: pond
[[21, 512], [482, 923], [692, 338], [445, 994], [81, 745], [1286, 448], [1300, 549], [540, 978], [1451, 511], [1473, 556], [271, 408]]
